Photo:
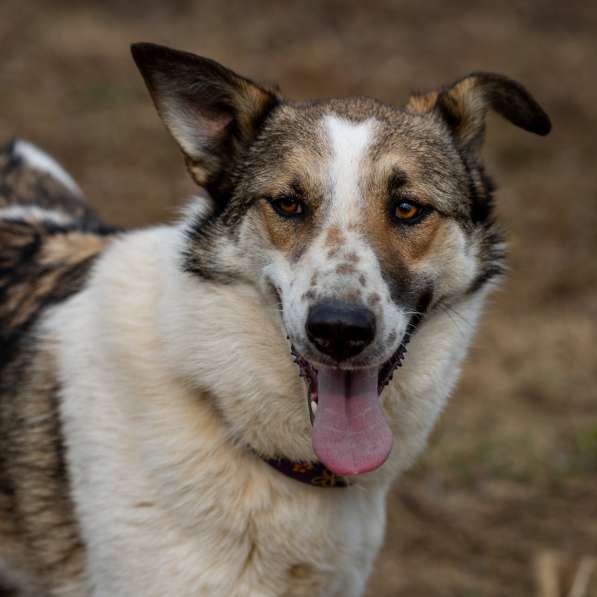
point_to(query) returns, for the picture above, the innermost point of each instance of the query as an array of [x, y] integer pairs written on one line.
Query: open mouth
[[350, 433]]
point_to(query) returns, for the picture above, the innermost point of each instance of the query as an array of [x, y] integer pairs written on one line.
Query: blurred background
[[504, 501]]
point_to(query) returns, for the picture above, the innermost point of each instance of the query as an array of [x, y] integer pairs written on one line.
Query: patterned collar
[[311, 473]]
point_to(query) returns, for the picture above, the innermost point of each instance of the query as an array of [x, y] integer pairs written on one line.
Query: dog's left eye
[[288, 206]]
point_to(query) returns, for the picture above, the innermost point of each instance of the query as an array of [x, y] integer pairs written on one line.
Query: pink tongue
[[350, 433]]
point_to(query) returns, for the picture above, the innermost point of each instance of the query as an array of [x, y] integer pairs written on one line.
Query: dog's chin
[[350, 433]]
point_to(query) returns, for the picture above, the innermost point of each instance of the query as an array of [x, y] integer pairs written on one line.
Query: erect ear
[[464, 105], [212, 112]]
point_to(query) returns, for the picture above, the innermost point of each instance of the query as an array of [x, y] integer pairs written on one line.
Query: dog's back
[[49, 239]]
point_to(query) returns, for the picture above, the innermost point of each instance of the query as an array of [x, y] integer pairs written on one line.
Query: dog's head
[[358, 218]]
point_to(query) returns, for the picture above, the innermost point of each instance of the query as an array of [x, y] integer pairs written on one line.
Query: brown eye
[[408, 212], [288, 206]]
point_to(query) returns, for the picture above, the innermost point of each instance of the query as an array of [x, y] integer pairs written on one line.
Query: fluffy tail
[[35, 187]]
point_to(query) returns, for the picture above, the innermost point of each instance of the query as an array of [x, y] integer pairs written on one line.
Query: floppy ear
[[210, 111], [464, 105]]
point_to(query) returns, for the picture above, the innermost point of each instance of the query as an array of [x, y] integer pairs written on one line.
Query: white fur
[[35, 158], [32, 213], [349, 143], [171, 380], [198, 208]]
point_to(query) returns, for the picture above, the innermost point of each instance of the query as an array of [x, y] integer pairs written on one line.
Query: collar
[[310, 473]]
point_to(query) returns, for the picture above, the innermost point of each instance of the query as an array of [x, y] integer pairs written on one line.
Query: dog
[[220, 406]]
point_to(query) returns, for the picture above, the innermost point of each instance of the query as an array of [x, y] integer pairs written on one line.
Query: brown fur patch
[[38, 269], [400, 246], [344, 269], [422, 103], [291, 237], [334, 238], [71, 248]]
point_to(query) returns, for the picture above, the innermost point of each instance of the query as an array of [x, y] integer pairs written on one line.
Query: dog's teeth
[[313, 406]]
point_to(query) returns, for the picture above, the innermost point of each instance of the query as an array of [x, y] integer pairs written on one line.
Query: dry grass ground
[[510, 474]]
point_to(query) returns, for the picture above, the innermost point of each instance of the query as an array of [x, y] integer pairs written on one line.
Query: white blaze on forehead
[[349, 142]]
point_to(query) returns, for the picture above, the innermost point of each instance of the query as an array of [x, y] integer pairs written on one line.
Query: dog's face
[[357, 218]]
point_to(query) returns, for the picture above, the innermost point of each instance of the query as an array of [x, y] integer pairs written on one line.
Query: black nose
[[340, 330]]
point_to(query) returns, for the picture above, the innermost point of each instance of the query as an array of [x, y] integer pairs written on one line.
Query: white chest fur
[[169, 503]]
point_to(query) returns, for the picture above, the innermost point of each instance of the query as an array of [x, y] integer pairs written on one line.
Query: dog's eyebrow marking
[[397, 179], [349, 142]]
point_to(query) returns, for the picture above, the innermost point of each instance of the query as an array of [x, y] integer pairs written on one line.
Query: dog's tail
[[35, 188]]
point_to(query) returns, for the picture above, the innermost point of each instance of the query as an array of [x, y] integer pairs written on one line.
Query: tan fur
[[54, 267], [422, 103], [284, 234], [409, 245], [71, 248]]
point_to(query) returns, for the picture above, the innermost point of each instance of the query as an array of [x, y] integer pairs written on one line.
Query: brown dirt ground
[[510, 474]]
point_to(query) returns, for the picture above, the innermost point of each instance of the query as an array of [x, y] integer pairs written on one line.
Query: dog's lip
[[308, 368]]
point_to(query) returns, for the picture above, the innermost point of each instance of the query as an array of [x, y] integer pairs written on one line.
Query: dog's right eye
[[288, 206]]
